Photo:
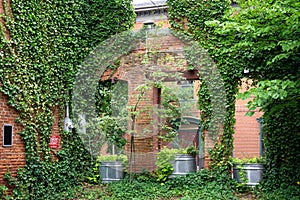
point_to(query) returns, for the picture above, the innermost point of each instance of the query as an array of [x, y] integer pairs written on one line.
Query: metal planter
[[111, 171], [251, 172], [183, 165]]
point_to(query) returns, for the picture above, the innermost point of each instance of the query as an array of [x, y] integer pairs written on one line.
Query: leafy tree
[[263, 37]]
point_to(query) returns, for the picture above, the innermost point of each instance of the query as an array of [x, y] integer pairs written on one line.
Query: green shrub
[[108, 158], [164, 166], [254, 160], [282, 193]]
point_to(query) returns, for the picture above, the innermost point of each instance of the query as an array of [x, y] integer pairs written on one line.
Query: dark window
[[7, 135]]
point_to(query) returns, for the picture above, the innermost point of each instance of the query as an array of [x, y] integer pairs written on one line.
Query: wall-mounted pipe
[[68, 125]]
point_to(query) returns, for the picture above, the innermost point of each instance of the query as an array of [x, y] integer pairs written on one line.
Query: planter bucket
[[111, 171], [252, 172], [183, 164]]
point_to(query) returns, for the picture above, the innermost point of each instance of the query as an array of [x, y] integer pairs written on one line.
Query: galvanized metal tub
[[111, 171], [252, 172], [183, 165]]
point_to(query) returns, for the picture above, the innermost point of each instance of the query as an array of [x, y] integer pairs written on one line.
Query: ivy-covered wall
[[13, 156], [190, 18], [47, 42], [263, 37]]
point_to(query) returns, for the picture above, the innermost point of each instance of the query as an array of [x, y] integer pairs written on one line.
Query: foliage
[[165, 157], [94, 177], [109, 158], [282, 143], [3, 191], [172, 111], [190, 17], [39, 60], [254, 160], [37, 179], [204, 184], [163, 163], [192, 150], [112, 131], [269, 92], [263, 37], [291, 192], [111, 113]]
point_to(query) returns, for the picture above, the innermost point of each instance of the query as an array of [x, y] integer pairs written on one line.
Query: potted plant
[[175, 162], [184, 162], [112, 167], [113, 164], [164, 167], [248, 171]]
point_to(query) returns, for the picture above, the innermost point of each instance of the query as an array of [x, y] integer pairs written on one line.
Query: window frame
[[4, 135]]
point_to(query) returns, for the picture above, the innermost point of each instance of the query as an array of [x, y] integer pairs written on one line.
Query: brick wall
[[247, 129], [13, 157], [10, 157], [135, 72]]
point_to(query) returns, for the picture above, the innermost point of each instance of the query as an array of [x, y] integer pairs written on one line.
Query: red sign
[[54, 142]]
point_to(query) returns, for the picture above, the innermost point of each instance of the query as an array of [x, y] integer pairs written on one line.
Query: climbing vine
[[263, 38], [190, 18], [42, 45]]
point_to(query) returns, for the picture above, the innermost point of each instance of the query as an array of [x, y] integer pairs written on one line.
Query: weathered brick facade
[[247, 141], [247, 129], [168, 56], [135, 72], [11, 157]]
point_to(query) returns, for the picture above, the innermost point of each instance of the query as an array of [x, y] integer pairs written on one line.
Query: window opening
[[7, 135]]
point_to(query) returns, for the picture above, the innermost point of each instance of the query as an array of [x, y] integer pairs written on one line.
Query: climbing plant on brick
[[264, 37], [190, 18], [42, 44]]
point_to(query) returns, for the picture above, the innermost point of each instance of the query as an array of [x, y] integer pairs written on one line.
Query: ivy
[[190, 17], [48, 41], [262, 37]]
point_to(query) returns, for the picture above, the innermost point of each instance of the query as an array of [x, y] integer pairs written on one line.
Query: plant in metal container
[[248, 171], [164, 166], [112, 167], [175, 162], [184, 162]]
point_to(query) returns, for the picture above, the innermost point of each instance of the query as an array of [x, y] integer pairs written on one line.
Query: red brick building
[[12, 149], [248, 133], [169, 57], [247, 137]]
